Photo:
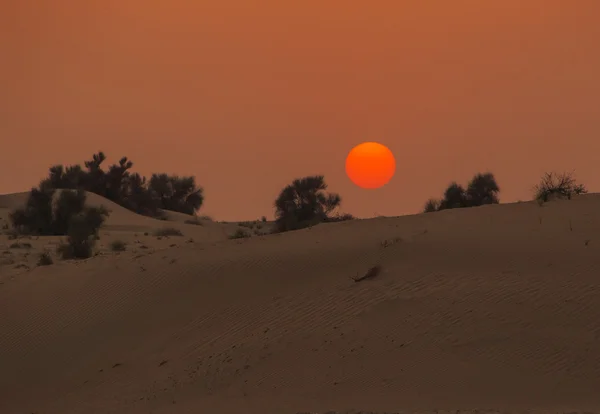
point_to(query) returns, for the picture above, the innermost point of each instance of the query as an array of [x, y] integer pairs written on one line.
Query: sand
[[495, 309]]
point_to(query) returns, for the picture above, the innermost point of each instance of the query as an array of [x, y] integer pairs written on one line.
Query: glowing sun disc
[[370, 165]]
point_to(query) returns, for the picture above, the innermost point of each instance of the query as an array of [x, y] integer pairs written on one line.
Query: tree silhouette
[[131, 191], [304, 203], [116, 180], [454, 197], [483, 189], [177, 193], [95, 177], [432, 205], [559, 185]]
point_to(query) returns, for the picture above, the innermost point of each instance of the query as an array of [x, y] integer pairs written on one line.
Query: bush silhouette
[[557, 185], [37, 216], [177, 193], [304, 203], [432, 205], [67, 216], [482, 189], [127, 189]]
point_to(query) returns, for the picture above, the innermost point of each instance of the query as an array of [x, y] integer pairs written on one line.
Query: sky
[[247, 95]]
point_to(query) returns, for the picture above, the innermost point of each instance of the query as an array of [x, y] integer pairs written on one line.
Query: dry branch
[[371, 273]]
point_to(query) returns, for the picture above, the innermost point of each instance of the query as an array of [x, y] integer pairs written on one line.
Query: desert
[[488, 308]]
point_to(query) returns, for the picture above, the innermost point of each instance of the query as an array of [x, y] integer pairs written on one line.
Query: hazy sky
[[247, 95]]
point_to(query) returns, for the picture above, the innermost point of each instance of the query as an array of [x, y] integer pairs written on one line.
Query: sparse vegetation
[[67, 216], [240, 234], [168, 231], [18, 245], [130, 190], [195, 221], [482, 189], [45, 259], [557, 185], [305, 203], [118, 246]]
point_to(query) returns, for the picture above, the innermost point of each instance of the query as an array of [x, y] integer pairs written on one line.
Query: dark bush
[[168, 231], [432, 205], [482, 189], [82, 233], [555, 185], [68, 216], [240, 234], [45, 259], [118, 246], [304, 203], [131, 191], [177, 193], [37, 215]]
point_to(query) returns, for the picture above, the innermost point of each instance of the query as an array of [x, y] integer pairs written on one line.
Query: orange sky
[[248, 95]]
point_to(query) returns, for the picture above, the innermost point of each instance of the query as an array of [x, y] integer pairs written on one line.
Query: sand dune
[[490, 308]]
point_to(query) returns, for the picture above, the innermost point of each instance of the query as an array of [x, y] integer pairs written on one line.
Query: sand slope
[[139, 233], [495, 307]]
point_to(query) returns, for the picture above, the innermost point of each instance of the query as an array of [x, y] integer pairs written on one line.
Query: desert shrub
[[304, 203], [481, 189], [37, 215], [168, 231], [68, 216], [240, 234], [175, 193], [20, 246], [247, 224], [263, 219], [45, 259], [118, 246], [339, 217], [455, 196], [81, 236], [559, 185], [194, 221], [68, 204], [432, 205], [129, 190]]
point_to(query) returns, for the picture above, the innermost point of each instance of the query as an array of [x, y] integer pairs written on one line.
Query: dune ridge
[[495, 307]]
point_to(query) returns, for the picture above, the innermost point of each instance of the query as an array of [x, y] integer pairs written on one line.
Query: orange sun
[[370, 165]]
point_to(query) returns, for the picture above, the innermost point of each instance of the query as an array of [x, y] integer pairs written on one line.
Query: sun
[[370, 165]]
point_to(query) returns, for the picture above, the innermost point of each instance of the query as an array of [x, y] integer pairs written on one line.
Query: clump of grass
[[118, 246], [45, 259], [247, 224], [168, 231], [240, 234], [195, 221], [18, 245]]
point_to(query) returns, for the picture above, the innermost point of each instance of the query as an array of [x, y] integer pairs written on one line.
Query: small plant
[[81, 236], [263, 219], [247, 224], [118, 246], [432, 205], [555, 185], [168, 231], [45, 259], [240, 234], [20, 246], [195, 221]]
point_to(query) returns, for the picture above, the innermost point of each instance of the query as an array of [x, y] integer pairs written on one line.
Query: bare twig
[[371, 273]]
